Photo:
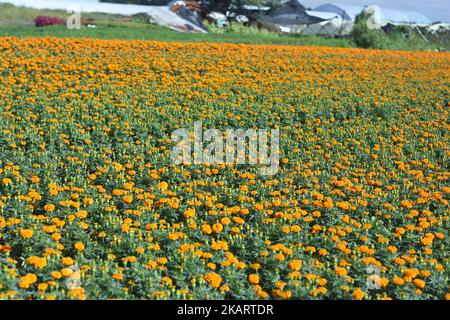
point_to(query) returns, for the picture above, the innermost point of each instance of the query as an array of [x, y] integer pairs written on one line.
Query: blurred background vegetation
[[19, 21]]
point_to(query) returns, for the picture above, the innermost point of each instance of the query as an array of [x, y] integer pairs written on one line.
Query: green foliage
[[365, 37], [18, 21], [400, 38], [153, 32], [238, 28]]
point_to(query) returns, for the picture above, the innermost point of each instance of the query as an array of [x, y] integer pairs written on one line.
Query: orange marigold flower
[[253, 278], [26, 233], [79, 246], [358, 294], [213, 279], [127, 199], [37, 262], [419, 283], [295, 264], [341, 272], [217, 227], [50, 207]]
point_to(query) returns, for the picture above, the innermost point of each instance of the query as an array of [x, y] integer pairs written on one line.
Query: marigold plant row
[[92, 206]]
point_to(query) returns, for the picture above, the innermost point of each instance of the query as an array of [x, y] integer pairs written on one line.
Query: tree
[[363, 36], [211, 5], [224, 5]]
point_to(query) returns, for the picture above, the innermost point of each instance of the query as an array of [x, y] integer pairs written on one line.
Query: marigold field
[[92, 207]]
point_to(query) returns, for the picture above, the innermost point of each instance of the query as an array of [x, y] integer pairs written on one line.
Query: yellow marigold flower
[[406, 204], [328, 204], [129, 259], [37, 262], [206, 229], [140, 250], [42, 286], [425, 273], [280, 257], [253, 278], [189, 213], [255, 266], [225, 288], [398, 281], [286, 229], [50, 207], [82, 214], [118, 276], [341, 272], [358, 294], [219, 245], [217, 227], [77, 293], [392, 249], [213, 279], [127, 199], [384, 282], [67, 272], [118, 192], [26, 233], [29, 277], [263, 294], [258, 207], [56, 236], [295, 264], [49, 229], [163, 185], [419, 283], [27, 280], [67, 261], [79, 246]]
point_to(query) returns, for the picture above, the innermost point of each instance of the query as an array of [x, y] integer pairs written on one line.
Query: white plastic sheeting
[[333, 25], [385, 15], [347, 12]]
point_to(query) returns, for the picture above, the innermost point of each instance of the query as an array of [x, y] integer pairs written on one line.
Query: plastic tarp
[[347, 12], [384, 15], [181, 9], [397, 16], [333, 24]]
